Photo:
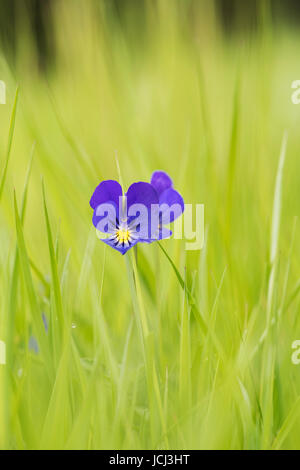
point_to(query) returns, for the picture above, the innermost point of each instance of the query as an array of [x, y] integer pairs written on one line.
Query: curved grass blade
[[287, 426], [14, 278], [10, 138], [34, 307], [12, 305], [199, 317], [54, 271]]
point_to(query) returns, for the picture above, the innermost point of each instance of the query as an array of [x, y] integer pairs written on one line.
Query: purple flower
[[140, 215], [170, 201], [33, 344]]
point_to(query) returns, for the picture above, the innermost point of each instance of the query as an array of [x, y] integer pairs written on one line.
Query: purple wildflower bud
[[33, 345], [45, 321]]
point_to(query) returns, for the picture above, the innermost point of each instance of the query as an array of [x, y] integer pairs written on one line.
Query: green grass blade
[[202, 323], [54, 270], [287, 425], [275, 228], [35, 310], [10, 139]]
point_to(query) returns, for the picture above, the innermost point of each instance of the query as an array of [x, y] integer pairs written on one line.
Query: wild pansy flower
[[137, 216]]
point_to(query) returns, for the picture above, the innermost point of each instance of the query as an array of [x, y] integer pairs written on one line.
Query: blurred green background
[[134, 356]]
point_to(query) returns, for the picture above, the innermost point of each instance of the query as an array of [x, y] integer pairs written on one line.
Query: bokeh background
[[112, 352]]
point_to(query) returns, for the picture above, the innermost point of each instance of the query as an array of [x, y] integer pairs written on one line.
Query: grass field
[[135, 356]]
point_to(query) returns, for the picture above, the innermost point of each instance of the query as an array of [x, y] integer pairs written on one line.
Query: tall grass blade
[[9, 144]]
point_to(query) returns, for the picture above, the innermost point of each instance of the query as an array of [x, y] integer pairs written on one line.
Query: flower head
[[138, 215]]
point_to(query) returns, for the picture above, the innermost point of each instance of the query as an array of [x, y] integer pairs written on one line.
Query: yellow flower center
[[123, 236]]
